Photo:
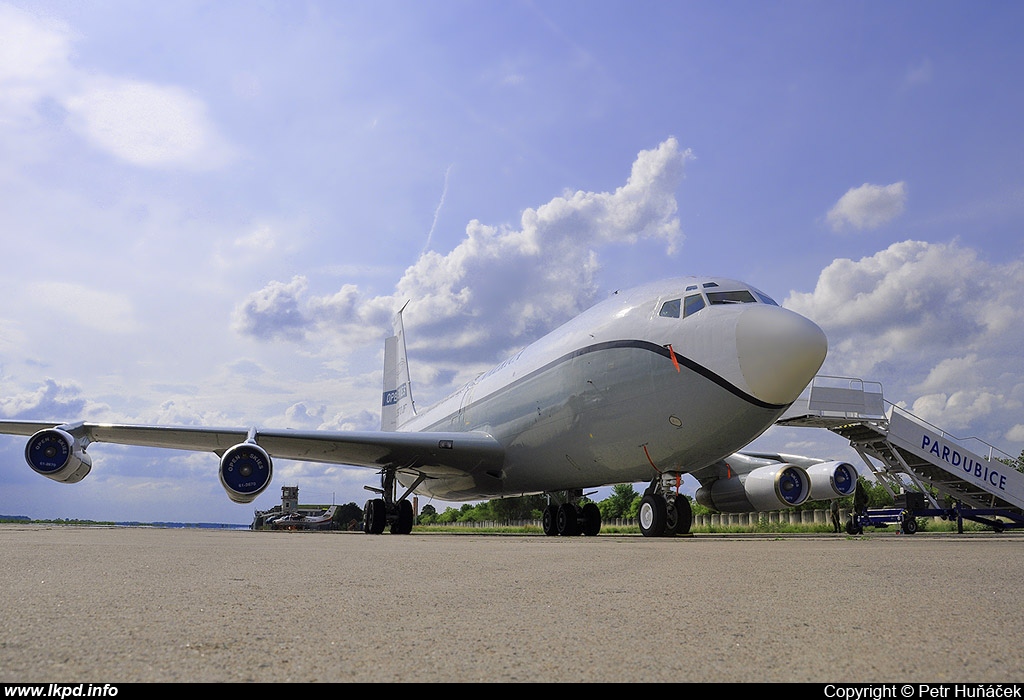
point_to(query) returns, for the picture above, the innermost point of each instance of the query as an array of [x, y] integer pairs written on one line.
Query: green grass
[[924, 525]]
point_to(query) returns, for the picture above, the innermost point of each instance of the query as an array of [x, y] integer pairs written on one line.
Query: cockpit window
[[740, 296], [670, 309], [697, 300], [693, 304]]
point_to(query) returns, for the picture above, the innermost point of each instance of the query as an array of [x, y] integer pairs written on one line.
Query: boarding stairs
[[910, 451]]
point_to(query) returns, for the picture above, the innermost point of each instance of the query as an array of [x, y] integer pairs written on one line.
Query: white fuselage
[[603, 400]]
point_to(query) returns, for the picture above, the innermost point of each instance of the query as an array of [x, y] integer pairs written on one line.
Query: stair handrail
[[960, 441], [827, 382]]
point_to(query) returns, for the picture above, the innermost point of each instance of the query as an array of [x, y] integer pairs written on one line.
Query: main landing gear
[[570, 518], [663, 511], [386, 510]]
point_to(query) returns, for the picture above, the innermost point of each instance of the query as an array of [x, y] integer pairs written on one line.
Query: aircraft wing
[[183, 438], [432, 454]]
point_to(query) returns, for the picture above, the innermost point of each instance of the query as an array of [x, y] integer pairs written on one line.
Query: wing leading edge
[[430, 454]]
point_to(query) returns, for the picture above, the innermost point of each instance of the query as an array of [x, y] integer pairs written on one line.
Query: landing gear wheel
[[591, 519], [403, 525], [375, 516], [550, 521], [652, 515], [853, 528], [679, 517], [568, 520], [909, 524]]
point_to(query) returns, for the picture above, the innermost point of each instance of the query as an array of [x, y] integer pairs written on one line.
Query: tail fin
[[397, 405]]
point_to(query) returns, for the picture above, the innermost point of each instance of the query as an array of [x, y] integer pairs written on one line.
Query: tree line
[[624, 502]]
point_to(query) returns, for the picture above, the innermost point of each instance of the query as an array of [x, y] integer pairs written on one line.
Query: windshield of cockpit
[[695, 300]]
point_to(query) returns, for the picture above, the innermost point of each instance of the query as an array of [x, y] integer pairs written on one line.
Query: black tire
[[568, 520], [853, 528], [591, 519], [652, 515], [367, 516], [909, 524], [375, 517], [550, 521], [403, 525], [679, 518]]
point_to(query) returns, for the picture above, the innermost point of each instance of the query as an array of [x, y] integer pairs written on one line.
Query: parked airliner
[[670, 378]]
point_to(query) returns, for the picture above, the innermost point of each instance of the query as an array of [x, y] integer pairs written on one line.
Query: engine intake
[[831, 480], [245, 471], [766, 488], [57, 455]]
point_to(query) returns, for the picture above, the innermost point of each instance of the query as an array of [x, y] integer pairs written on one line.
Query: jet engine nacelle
[[245, 471], [57, 455], [830, 480], [766, 488]]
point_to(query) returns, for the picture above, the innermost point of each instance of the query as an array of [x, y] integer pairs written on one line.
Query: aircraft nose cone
[[779, 352]]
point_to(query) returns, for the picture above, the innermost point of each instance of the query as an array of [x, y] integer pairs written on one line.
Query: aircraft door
[[464, 407]]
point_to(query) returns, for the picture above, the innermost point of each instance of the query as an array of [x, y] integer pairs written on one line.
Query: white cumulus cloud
[[143, 123], [941, 329], [501, 286], [868, 206], [146, 124], [33, 61]]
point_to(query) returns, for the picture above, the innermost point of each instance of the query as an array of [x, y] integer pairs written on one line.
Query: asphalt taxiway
[[109, 605]]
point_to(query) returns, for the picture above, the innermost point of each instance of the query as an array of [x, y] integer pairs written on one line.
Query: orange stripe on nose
[[672, 356]]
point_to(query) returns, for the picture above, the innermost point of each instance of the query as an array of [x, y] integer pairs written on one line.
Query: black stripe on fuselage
[[667, 354], [639, 345]]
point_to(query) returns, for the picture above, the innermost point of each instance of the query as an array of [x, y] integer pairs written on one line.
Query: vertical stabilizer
[[396, 405]]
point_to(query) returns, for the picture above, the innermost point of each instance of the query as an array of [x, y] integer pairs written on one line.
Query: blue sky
[[210, 211]]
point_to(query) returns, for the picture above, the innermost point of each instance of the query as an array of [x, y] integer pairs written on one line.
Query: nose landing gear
[[663, 512]]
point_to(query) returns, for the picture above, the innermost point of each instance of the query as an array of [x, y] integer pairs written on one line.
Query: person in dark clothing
[[860, 498], [834, 509]]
